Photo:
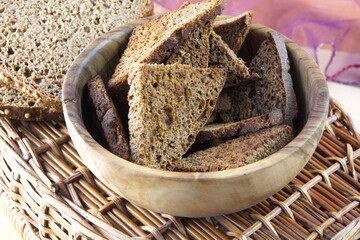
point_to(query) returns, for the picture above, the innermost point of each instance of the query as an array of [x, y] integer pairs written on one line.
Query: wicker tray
[[48, 194]]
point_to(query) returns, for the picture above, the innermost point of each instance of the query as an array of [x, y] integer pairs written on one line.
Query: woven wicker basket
[[48, 194]]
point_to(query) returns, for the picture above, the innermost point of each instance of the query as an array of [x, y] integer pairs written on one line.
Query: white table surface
[[348, 96]]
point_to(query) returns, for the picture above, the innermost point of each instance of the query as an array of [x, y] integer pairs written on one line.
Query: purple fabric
[[330, 24]]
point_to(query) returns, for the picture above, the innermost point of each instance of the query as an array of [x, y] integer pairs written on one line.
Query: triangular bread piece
[[274, 89], [109, 119], [223, 57], [237, 152], [154, 41], [234, 129], [18, 105], [169, 104], [194, 51], [233, 30], [40, 40]]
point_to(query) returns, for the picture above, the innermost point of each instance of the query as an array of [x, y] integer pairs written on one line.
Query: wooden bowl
[[194, 194]]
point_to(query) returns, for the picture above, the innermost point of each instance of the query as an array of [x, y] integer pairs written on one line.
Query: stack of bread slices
[[39, 39], [190, 103]]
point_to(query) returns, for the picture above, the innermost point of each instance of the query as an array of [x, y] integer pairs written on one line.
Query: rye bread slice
[[274, 89], [169, 104], [234, 30], [222, 56], [40, 39], [237, 152], [195, 50], [235, 104], [271, 51], [235, 129], [20, 106], [154, 41], [111, 124]]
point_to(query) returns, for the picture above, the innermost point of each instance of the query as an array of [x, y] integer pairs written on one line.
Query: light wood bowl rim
[[77, 129], [301, 138]]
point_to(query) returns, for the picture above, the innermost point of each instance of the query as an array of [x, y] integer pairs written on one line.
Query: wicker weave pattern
[[48, 194]]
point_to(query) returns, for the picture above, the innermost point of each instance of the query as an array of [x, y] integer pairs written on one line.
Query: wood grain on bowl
[[194, 194]]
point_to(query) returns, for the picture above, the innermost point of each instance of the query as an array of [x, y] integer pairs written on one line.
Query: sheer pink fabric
[[323, 24]]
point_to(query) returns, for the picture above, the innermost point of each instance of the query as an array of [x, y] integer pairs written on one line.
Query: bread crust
[[24, 105], [291, 104], [237, 152], [41, 41], [49, 104], [234, 129], [29, 114], [110, 121]]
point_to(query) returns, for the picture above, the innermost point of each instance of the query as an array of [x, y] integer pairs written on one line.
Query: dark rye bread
[[271, 63], [222, 56], [235, 104], [235, 129], [154, 41], [195, 50], [169, 104], [40, 39], [274, 89], [20, 106], [111, 124], [233, 30], [237, 152]]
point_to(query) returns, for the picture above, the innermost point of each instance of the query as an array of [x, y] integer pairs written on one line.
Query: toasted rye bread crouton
[[233, 30], [169, 104], [237, 152], [155, 41], [111, 124]]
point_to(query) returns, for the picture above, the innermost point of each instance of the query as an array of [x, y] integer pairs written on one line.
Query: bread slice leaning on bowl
[[272, 90], [210, 193], [110, 121]]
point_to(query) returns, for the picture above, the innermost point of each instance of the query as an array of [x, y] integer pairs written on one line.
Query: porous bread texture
[[235, 104], [223, 57], [234, 129], [234, 30], [274, 89], [40, 39], [237, 152], [271, 63], [194, 51], [169, 104], [107, 114], [17, 104], [154, 41], [14, 97]]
